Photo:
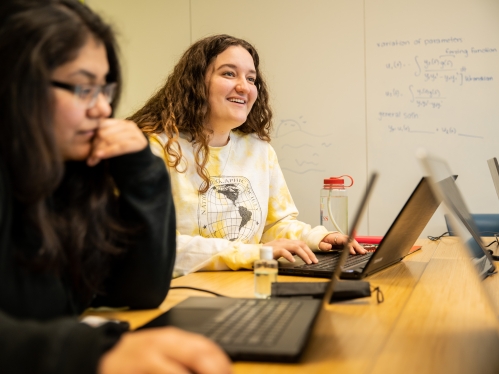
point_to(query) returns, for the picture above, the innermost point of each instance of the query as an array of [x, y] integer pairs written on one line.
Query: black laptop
[[274, 329], [395, 245]]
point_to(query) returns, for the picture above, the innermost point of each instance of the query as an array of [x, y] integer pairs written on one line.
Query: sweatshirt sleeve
[[141, 277], [59, 346], [196, 253], [282, 215]]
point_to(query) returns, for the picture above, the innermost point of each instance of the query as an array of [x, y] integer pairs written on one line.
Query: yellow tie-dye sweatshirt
[[248, 203]]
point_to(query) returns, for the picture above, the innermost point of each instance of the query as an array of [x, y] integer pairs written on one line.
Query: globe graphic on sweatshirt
[[229, 210]]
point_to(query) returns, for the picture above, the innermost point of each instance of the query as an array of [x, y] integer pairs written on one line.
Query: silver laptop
[[494, 172], [274, 329], [445, 188]]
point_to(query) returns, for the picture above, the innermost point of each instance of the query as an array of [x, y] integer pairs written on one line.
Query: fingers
[[164, 350], [311, 254], [303, 251], [351, 250], [323, 246], [287, 247], [115, 137], [165, 365], [338, 239], [198, 353], [281, 252], [335, 239], [355, 247]]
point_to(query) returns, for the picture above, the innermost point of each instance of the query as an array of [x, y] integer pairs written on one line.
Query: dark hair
[[69, 205], [181, 105]]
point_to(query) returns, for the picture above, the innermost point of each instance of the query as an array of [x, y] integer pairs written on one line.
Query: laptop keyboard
[[252, 322], [328, 262]]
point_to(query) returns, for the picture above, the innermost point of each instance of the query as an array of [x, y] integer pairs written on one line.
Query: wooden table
[[436, 318]]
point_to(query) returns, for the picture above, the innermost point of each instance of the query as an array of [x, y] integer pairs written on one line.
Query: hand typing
[[287, 248], [338, 239]]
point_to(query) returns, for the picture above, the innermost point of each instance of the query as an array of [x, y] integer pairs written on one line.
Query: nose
[[101, 109], [242, 86]]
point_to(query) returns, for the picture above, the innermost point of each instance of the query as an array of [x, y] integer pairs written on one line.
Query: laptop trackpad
[[187, 319], [192, 313]]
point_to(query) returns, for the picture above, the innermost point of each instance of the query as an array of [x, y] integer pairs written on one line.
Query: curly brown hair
[[181, 105]]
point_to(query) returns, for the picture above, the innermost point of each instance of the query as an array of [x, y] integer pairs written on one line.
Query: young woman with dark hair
[[211, 123], [86, 213]]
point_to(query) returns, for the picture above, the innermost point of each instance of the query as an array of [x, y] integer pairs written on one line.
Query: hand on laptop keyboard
[[165, 349], [287, 248], [336, 239]]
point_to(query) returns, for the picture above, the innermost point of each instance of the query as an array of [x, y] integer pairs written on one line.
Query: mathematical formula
[[429, 81]]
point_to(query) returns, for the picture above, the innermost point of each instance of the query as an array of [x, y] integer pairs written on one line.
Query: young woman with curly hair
[[211, 123]]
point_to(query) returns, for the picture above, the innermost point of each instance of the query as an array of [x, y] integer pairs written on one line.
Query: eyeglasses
[[88, 93]]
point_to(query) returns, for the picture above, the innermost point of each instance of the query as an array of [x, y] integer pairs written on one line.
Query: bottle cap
[[266, 252], [338, 182], [335, 181]]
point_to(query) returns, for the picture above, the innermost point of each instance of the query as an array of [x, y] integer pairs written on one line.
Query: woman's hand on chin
[[115, 137]]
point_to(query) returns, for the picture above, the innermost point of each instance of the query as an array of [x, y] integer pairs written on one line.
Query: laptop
[[445, 188], [395, 245], [494, 172], [274, 329]]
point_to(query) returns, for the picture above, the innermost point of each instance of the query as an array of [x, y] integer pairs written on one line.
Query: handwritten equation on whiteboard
[[429, 78]]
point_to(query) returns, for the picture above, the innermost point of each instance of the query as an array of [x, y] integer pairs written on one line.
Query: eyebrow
[[85, 73], [232, 66]]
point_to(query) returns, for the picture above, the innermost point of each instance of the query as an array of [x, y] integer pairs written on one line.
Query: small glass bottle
[[265, 270], [334, 204]]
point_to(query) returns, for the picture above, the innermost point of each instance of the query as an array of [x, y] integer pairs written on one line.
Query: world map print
[[229, 209]]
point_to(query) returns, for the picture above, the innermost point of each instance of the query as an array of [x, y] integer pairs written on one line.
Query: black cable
[[435, 238], [496, 240], [196, 289], [379, 294]]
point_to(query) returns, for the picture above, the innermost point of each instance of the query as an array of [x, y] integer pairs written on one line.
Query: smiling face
[[74, 125], [230, 79]]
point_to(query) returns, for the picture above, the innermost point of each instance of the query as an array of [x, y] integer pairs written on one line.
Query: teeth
[[237, 101]]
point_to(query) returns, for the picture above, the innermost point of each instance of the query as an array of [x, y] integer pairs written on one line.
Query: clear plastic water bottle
[[334, 204], [265, 270]]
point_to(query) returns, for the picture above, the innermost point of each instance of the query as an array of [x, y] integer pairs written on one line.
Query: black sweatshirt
[[39, 330]]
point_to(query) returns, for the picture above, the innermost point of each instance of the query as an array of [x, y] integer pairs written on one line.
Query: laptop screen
[[494, 172], [462, 221]]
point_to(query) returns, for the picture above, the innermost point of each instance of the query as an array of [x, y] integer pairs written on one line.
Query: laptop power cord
[[196, 289]]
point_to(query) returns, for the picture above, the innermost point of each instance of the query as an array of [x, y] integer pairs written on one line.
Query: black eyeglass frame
[[108, 90]]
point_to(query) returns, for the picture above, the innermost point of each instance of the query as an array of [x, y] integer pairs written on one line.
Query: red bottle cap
[[338, 181]]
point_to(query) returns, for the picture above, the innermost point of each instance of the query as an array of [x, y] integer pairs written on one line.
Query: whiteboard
[[356, 86], [432, 81], [360, 86]]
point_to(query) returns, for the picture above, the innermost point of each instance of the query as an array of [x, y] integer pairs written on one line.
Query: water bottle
[[265, 270], [334, 204]]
